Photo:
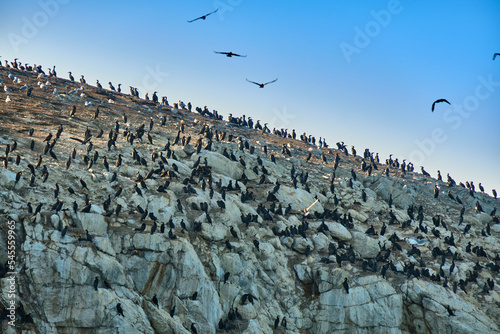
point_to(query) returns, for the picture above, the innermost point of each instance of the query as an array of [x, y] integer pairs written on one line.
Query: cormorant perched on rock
[[478, 207], [154, 227], [96, 283], [371, 231], [64, 231], [233, 232], [436, 191], [119, 309], [353, 174], [309, 156], [84, 185], [346, 285], [18, 177], [424, 172]]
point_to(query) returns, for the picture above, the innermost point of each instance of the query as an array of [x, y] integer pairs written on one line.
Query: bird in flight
[[203, 17], [496, 54], [438, 101], [261, 85], [229, 54]]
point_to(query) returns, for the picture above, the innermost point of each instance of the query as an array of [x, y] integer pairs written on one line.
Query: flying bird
[[439, 101], [496, 54], [261, 85], [203, 17], [229, 54]]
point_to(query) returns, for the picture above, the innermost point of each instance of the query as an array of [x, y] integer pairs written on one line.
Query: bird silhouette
[[496, 54], [229, 54], [204, 16], [439, 101], [261, 85]]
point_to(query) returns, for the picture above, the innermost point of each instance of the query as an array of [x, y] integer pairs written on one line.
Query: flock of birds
[[201, 177], [446, 101], [202, 180], [230, 53]]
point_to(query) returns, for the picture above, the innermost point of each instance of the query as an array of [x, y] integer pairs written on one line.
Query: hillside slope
[[181, 237]]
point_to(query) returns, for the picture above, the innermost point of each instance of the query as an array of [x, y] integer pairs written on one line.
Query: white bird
[[41, 75], [88, 104], [81, 88], [82, 95], [11, 76], [55, 91], [17, 80], [74, 91], [7, 89], [48, 83], [42, 86], [306, 210], [7, 99], [111, 101], [24, 87]]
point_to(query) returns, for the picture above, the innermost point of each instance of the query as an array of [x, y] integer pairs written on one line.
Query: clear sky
[[362, 72]]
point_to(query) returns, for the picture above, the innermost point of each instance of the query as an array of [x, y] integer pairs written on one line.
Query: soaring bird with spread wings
[[439, 101], [229, 54], [496, 54], [203, 17], [261, 85]]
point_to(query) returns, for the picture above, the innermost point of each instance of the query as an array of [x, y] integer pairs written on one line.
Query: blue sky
[[362, 72]]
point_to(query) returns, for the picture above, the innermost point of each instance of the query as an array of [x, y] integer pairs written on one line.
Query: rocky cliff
[[136, 218]]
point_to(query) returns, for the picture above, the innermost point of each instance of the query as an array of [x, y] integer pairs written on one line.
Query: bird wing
[[195, 19], [496, 54], [438, 101], [237, 55], [271, 81], [254, 82], [212, 12], [221, 53]]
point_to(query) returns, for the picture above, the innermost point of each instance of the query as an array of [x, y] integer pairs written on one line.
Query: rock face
[[209, 227]]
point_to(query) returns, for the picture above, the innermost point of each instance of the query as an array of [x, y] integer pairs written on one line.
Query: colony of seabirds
[[201, 179]]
